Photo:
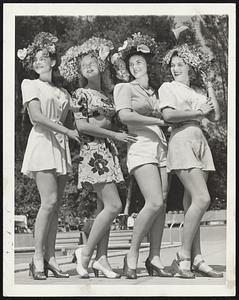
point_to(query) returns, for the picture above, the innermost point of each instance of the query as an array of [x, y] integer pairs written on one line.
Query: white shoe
[[79, 268], [96, 266]]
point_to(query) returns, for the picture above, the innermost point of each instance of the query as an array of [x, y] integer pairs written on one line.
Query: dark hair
[[154, 82]]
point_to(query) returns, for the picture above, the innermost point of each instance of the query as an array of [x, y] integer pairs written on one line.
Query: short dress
[[98, 157], [151, 145], [188, 147], [46, 149]]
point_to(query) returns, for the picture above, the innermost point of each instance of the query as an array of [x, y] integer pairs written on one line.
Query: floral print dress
[[98, 157]]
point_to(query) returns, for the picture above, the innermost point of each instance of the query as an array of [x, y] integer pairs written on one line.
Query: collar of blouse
[[148, 91]]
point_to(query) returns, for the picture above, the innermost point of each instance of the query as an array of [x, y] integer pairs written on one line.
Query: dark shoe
[[37, 275], [56, 272], [212, 273], [97, 267], [160, 272], [129, 273], [178, 271]]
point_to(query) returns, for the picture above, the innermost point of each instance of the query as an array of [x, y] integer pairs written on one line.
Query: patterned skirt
[[98, 162]]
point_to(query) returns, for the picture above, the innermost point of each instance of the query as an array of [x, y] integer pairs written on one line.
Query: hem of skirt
[[160, 165], [171, 170], [79, 186], [30, 173]]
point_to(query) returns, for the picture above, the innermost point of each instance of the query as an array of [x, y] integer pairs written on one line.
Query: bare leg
[[156, 230], [112, 206], [149, 181], [51, 236], [47, 186], [195, 185], [102, 246]]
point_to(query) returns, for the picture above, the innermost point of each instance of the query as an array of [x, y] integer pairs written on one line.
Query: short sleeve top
[[54, 101], [90, 103], [179, 96], [135, 97]]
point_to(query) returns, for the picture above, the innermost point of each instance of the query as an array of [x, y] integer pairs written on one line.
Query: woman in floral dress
[[98, 157], [47, 157]]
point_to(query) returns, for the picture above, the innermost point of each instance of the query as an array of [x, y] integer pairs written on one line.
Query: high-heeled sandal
[[211, 273], [178, 271], [160, 271], [37, 275], [58, 273], [97, 267], [79, 268], [129, 273]]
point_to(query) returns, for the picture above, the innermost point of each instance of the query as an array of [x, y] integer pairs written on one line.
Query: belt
[[190, 122]]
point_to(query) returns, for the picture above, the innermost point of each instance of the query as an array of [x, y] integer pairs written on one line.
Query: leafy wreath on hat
[[193, 56], [42, 41], [98, 47]]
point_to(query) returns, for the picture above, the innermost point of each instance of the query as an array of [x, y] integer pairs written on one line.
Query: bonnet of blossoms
[[98, 47], [193, 56], [142, 43], [43, 40]]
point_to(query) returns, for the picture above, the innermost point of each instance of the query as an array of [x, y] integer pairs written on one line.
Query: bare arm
[[86, 128], [130, 117], [37, 117], [214, 116], [173, 115]]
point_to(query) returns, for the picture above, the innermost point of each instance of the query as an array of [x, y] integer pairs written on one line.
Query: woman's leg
[[102, 246], [112, 206], [196, 187], [51, 236], [156, 230], [149, 182], [47, 185]]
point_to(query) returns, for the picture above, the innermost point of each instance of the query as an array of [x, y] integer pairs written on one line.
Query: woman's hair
[[154, 82], [105, 77], [195, 78]]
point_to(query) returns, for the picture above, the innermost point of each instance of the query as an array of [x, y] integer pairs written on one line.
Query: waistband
[[181, 124]]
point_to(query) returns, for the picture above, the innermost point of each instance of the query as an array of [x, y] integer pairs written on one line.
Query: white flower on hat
[[143, 48], [22, 53], [124, 46], [115, 57], [104, 52]]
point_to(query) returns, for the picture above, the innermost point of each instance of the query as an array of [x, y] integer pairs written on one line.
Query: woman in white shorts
[[189, 155], [146, 159]]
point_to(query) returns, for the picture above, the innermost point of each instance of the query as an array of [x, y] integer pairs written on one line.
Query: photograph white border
[[10, 11]]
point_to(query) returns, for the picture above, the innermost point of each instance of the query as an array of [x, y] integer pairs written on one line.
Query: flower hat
[[193, 56], [139, 42], [98, 47], [43, 40]]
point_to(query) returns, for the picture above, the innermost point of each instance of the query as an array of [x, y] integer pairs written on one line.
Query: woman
[[146, 159], [189, 155], [47, 157], [99, 164]]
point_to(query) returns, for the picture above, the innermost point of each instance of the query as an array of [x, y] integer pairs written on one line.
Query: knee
[[115, 208], [203, 201], [155, 204], [49, 203]]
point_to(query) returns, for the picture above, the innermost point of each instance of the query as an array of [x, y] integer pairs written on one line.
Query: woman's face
[[179, 69], [42, 62], [89, 66], [137, 66]]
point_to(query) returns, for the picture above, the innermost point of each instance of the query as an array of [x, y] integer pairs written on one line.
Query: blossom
[[104, 52], [124, 46], [114, 58], [22, 53], [98, 164], [143, 48]]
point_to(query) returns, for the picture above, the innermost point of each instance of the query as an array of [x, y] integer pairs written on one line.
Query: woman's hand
[[207, 107], [206, 79], [73, 134], [125, 137]]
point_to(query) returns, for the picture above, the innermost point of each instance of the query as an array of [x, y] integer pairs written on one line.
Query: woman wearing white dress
[[98, 156], [189, 155], [47, 157]]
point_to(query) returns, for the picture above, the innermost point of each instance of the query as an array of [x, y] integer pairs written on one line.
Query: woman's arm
[[37, 117], [86, 128], [214, 116], [129, 117]]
